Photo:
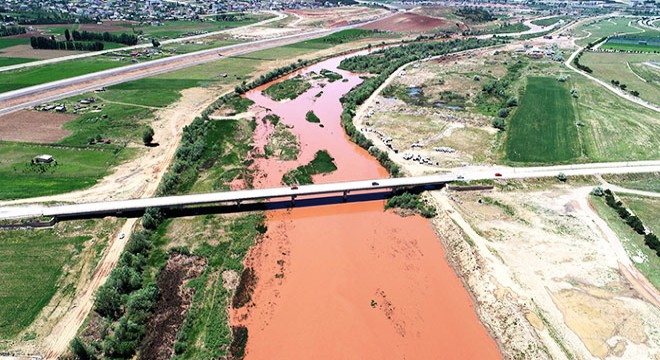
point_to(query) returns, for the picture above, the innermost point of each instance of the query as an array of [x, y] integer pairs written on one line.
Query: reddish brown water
[[350, 281]]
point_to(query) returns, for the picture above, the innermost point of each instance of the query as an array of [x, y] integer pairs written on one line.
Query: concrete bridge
[[344, 188]]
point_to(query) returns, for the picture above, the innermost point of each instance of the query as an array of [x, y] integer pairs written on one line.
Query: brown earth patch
[[26, 51], [407, 22], [34, 126], [173, 303]]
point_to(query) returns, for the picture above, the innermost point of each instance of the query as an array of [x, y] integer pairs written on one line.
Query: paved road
[[278, 16], [34, 95], [474, 173]]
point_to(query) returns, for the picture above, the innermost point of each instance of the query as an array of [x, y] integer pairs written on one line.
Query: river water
[[349, 281]]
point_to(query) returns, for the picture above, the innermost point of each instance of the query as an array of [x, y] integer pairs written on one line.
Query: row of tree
[[123, 38], [650, 239], [11, 30], [40, 42]]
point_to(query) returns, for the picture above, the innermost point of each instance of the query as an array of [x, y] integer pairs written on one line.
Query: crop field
[[32, 262], [615, 129], [628, 69], [75, 169], [543, 127], [604, 28], [632, 242]]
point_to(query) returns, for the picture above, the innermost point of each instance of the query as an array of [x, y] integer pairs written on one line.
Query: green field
[[17, 79], [9, 42], [615, 128], [76, 169], [628, 69], [543, 127], [646, 182], [171, 29], [552, 20], [646, 208], [630, 47], [32, 262], [14, 61], [632, 241], [604, 28]]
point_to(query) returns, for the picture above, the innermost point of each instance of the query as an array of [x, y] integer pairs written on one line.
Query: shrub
[[148, 135]]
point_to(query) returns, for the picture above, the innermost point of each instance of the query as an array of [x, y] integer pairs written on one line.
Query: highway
[[465, 174], [34, 95]]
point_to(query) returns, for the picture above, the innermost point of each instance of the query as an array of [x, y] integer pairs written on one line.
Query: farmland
[[34, 268], [543, 127], [75, 169], [8, 42], [628, 69]]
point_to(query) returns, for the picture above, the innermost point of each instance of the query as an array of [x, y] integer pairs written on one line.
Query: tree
[[67, 35], [81, 350], [503, 112], [155, 43], [148, 135], [108, 301], [561, 176]]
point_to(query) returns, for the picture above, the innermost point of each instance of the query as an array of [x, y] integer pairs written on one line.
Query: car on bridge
[[375, 183], [498, 174], [294, 187]]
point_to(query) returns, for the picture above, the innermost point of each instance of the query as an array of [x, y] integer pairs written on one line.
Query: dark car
[[498, 174], [375, 183], [294, 187]]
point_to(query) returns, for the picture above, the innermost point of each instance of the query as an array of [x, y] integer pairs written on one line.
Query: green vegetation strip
[[543, 128], [411, 201], [322, 163]]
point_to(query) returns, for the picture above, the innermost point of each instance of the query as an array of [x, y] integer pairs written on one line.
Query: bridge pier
[[293, 200], [345, 196]]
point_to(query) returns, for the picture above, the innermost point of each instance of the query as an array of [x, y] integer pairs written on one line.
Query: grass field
[[604, 28], [631, 241], [630, 47], [543, 127], [625, 69], [32, 262], [8, 42], [76, 169], [616, 129], [14, 61], [646, 182], [17, 79], [552, 20], [646, 208], [171, 29]]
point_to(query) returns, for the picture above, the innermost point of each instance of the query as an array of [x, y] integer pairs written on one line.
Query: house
[[43, 159]]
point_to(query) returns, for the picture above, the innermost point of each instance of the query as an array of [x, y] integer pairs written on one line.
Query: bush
[[499, 123], [148, 135], [502, 113], [81, 350]]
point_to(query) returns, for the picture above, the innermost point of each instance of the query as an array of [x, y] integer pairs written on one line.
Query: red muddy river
[[349, 281]]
